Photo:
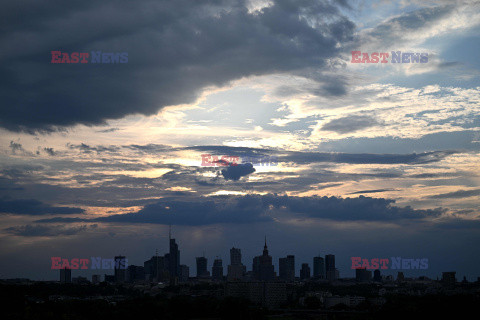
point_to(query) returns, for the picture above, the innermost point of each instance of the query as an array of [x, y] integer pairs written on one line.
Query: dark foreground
[[55, 301]]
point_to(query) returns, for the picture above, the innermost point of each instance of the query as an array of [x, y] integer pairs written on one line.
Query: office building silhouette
[[120, 269], [202, 271], [217, 270], [305, 272], [236, 270], [286, 270], [330, 270], [318, 267], [65, 275]]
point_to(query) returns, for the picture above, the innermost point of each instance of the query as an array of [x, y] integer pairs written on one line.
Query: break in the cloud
[[175, 49], [34, 207]]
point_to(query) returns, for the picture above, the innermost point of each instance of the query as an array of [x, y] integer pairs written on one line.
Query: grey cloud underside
[[45, 178], [46, 230], [125, 191], [457, 194], [395, 32], [256, 208], [281, 155], [372, 191], [175, 49], [334, 157], [34, 207], [350, 124]]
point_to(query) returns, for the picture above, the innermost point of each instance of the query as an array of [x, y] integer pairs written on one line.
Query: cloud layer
[[257, 208], [175, 49], [34, 207]]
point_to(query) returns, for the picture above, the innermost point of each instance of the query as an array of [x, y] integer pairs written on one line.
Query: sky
[[375, 160]]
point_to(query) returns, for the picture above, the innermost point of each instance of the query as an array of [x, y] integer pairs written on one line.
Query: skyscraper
[[174, 259], [236, 270], [120, 269], [305, 272], [135, 273], [318, 267], [377, 276], [363, 275], [235, 256], [329, 262], [286, 269], [184, 273], [155, 268], [65, 275], [330, 270], [217, 270], [202, 271], [263, 269]]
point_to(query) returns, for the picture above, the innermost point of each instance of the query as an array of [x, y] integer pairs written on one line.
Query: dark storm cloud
[[201, 211], [175, 49], [262, 208], [46, 230], [34, 207], [350, 123], [237, 171], [349, 209]]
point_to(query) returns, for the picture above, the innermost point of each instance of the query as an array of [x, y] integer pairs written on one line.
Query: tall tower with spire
[[265, 248], [263, 269]]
